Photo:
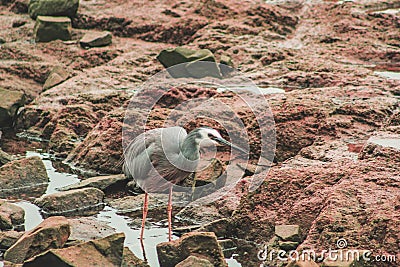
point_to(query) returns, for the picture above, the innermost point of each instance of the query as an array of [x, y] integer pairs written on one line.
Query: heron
[[160, 158]]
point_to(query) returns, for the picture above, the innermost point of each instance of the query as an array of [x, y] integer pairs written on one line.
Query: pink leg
[[145, 209], [169, 209]]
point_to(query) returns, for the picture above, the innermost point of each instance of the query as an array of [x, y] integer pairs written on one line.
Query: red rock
[[11, 215], [203, 244], [23, 176], [107, 251], [51, 233]]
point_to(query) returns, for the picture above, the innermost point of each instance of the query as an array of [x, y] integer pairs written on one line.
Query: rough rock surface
[[11, 216], [10, 102], [57, 75], [130, 259], [78, 201], [52, 28], [201, 243], [8, 238], [51, 233], [4, 157], [191, 62], [103, 183], [53, 8], [195, 262], [107, 251], [95, 39], [20, 175]]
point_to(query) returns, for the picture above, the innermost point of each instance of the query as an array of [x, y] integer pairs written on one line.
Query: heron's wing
[[148, 149], [137, 154]]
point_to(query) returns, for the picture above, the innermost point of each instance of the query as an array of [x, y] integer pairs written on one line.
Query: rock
[[226, 65], [228, 247], [218, 227], [202, 244], [8, 238], [300, 263], [193, 261], [288, 232], [88, 228], [52, 28], [131, 204], [11, 216], [10, 102], [175, 56], [53, 232], [199, 214], [18, 23], [206, 176], [53, 8], [57, 75], [83, 201], [130, 259], [107, 251], [226, 60], [4, 157], [103, 183], [96, 39], [288, 245], [20, 176]]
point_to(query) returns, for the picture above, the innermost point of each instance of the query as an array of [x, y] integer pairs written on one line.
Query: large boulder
[[11, 215], [23, 175], [52, 28], [192, 68], [10, 102], [107, 251], [53, 8], [51, 233], [83, 201], [202, 244]]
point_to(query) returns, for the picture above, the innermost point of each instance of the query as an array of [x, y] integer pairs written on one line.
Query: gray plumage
[[162, 157]]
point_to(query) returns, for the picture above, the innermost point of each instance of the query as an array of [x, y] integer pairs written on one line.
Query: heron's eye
[[211, 136]]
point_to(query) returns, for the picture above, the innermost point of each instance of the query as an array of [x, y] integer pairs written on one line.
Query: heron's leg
[[145, 209], [169, 209]]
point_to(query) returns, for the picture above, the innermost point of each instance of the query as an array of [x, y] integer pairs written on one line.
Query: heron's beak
[[224, 142]]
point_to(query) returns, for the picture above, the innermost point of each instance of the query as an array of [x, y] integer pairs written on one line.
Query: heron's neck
[[190, 147]]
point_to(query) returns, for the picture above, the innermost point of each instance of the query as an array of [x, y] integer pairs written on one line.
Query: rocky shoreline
[[334, 67]]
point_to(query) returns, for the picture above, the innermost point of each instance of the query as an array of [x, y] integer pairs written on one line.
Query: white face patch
[[211, 131]]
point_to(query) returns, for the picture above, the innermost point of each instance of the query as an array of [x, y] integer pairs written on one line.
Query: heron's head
[[211, 137]]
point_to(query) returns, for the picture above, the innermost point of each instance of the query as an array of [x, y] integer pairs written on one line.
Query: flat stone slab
[[85, 201], [99, 182], [288, 232], [53, 8], [57, 75], [96, 39], [52, 28], [23, 176]]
